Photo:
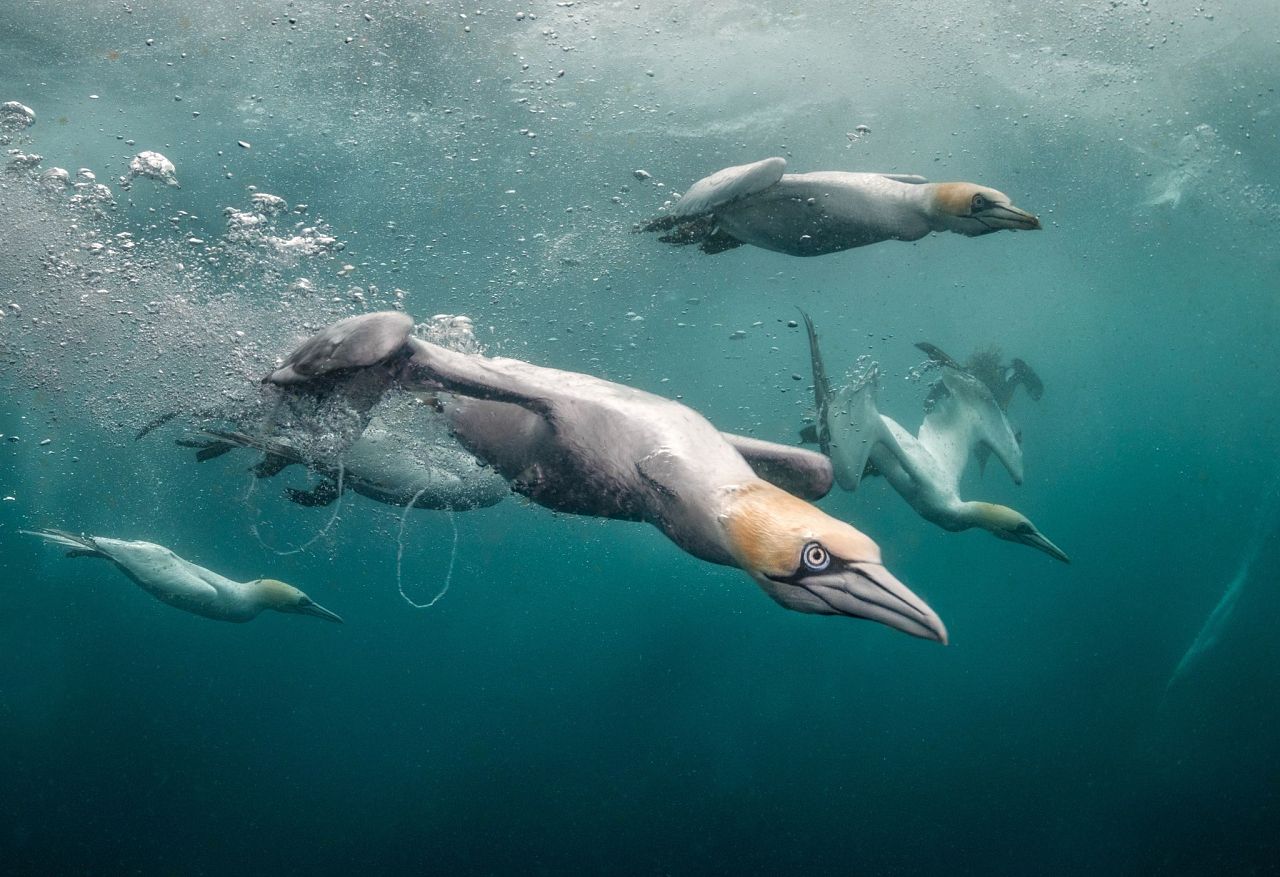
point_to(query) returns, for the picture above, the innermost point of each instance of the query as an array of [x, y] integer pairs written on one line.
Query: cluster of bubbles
[[864, 371], [152, 166], [453, 331], [135, 317], [922, 371], [14, 117], [262, 227]]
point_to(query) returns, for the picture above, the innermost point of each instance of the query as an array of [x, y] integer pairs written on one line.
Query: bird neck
[[698, 526], [761, 525], [270, 593], [972, 513], [938, 204]]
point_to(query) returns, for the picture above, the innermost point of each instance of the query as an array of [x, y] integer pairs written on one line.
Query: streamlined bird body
[[813, 214], [576, 443], [184, 585]]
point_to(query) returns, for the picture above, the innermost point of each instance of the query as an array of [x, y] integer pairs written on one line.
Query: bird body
[[822, 212], [580, 444], [184, 585], [382, 464]]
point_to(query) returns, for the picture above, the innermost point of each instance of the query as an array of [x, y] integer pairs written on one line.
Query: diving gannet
[[827, 211], [579, 444], [926, 468], [180, 583]]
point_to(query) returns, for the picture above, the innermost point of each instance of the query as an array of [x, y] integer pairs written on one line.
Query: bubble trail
[[337, 507], [453, 556]]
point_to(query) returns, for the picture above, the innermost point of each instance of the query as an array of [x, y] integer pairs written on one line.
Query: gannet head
[[1014, 526], [970, 209], [286, 598], [810, 562]]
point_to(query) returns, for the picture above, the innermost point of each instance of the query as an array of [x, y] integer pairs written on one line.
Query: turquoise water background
[[587, 698]]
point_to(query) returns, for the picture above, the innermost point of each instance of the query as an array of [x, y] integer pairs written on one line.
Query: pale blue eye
[[815, 557]]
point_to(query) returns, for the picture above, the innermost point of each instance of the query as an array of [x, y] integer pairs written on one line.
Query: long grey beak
[[1037, 540], [868, 590], [1008, 216], [315, 609]]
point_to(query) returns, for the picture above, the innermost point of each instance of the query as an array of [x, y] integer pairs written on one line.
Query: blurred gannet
[[180, 583], [579, 444], [985, 365], [926, 468], [375, 466], [1264, 531], [828, 211], [1002, 380]]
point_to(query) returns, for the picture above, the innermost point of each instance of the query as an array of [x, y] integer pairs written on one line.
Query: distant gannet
[[1002, 380], [985, 365], [579, 444], [180, 583], [828, 211], [924, 469], [1265, 530]]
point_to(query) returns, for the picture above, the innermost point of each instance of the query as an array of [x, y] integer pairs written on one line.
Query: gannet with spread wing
[[925, 468], [579, 444]]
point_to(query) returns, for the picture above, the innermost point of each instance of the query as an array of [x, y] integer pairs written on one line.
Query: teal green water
[[586, 698]]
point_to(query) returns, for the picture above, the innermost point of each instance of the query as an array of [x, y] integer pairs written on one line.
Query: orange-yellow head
[[810, 562]]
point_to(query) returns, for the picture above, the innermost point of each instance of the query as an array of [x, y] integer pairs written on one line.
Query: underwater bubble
[[22, 161], [267, 204], [16, 117], [153, 166], [55, 178], [89, 195], [454, 331], [256, 228]]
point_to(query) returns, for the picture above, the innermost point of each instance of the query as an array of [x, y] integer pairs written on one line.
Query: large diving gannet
[[180, 583], [579, 444], [828, 211], [925, 468]]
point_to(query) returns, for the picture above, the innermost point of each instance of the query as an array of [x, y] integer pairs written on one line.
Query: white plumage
[[184, 585], [925, 468]]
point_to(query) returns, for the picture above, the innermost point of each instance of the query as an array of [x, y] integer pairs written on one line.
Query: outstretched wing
[[964, 418], [855, 428], [1025, 375], [800, 472], [937, 355], [353, 343], [821, 385], [727, 186]]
